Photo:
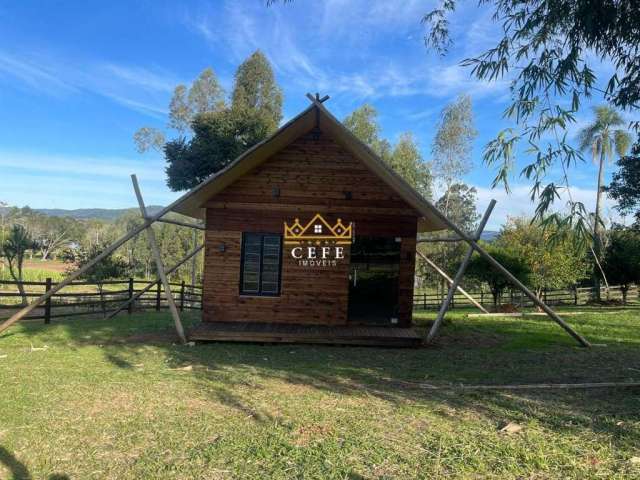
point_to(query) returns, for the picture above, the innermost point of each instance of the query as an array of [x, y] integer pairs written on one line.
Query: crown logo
[[318, 229]]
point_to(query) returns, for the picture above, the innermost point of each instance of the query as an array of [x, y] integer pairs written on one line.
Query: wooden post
[[459, 274], [194, 263], [575, 295], [16, 317], [182, 296], [149, 286], [158, 295], [151, 238], [130, 298], [425, 300], [448, 279], [427, 209], [47, 304]]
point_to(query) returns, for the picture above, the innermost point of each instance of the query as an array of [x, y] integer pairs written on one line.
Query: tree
[[461, 204], [108, 268], [622, 258], [453, 144], [204, 95], [545, 51], [256, 92], [363, 123], [602, 138], [553, 261], [625, 183], [219, 136], [404, 158], [407, 161], [480, 269], [52, 234], [15, 245]]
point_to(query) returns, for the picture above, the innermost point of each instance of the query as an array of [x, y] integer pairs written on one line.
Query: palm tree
[[14, 248], [603, 138]]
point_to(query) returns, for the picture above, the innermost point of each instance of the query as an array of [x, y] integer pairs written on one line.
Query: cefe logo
[[317, 244]]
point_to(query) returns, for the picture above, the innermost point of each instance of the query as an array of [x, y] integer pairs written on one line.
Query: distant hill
[[107, 214], [489, 235]]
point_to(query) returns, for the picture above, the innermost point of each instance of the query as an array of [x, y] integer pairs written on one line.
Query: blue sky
[[78, 78]]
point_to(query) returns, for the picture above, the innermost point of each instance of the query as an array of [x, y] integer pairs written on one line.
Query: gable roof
[[191, 203]]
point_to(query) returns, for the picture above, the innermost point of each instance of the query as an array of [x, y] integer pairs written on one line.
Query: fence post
[[481, 295], [158, 295], [575, 295], [425, 300], [130, 306], [47, 304], [182, 296]]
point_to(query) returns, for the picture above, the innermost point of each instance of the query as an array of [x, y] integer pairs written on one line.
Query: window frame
[[260, 292]]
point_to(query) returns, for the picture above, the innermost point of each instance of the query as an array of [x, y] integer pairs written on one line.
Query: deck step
[[316, 334]]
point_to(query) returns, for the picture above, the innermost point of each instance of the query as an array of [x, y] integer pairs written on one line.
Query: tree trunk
[[495, 293], [597, 226], [17, 277]]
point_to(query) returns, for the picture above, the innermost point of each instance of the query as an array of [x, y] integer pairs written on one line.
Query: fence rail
[[573, 296], [104, 299]]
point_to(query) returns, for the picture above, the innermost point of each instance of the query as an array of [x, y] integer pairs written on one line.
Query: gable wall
[[312, 176]]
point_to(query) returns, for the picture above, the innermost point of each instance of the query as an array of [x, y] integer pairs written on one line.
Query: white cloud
[[518, 203], [137, 88], [83, 166], [342, 53]]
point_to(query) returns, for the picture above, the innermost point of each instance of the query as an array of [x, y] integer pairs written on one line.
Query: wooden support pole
[[16, 317], [438, 240], [158, 294], [151, 238], [194, 263], [428, 210], [195, 226], [149, 286], [459, 274], [433, 265]]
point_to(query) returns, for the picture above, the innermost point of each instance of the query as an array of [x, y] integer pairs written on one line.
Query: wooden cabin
[[309, 237]]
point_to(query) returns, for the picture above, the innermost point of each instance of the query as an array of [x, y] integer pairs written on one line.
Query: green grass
[[110, 399]]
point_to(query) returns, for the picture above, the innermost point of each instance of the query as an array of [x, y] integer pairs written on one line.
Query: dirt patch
[[49, 265]]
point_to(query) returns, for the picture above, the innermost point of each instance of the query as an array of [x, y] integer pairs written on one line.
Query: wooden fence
[[77, 300], [573, 296]]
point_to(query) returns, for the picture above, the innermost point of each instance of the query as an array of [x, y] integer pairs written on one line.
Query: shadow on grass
[[19, 471], [490, 351]]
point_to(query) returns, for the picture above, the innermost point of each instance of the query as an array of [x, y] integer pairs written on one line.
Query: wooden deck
[[288, 333]]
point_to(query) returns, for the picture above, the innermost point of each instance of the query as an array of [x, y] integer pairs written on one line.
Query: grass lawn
[[113, 399]]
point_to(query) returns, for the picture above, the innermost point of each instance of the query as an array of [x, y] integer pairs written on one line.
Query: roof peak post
[[316, 99]]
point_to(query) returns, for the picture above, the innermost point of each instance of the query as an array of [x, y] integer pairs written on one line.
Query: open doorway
[[373, 281]]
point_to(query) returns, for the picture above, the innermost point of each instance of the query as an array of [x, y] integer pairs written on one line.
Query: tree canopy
[[480, 269], [404, 157], [622, 258], [545, 50], [211, 133], [553, 261], [625, 183]]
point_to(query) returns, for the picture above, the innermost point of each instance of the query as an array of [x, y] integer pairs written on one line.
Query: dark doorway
[[373, 281]]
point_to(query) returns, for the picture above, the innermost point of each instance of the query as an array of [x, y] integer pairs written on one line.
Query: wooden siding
[[312, 176]]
